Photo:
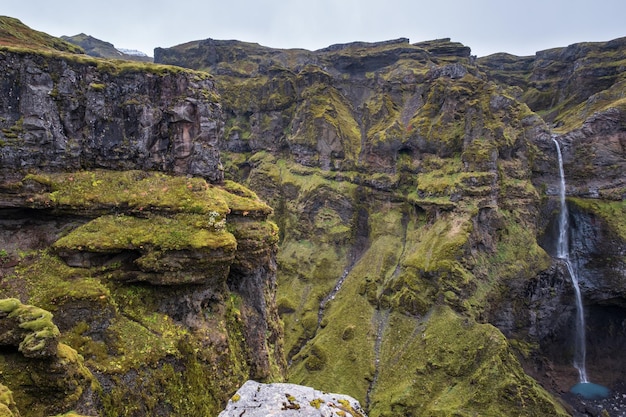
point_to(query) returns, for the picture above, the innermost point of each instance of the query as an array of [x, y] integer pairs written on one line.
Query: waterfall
[[562, 252]]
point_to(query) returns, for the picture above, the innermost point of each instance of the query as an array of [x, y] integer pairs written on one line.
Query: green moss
[[440, 245], [611, 212], [14, 33], [138, 191], [51, 384], [439, 176], [41, 331], [14, 132], [145, 350], [516, 254], [132, 190], [174, 367], [107, 66], [115, 233], [449, 366], [327, 113], [50, 282], [479, 154], [254, 235], [316, 359], [316, 403], [97, 86], [8, 407], [385, 113], [347, 332], [8, 305]]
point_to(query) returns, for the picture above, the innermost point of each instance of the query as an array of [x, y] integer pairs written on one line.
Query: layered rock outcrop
[[154, 279], [165, 285]]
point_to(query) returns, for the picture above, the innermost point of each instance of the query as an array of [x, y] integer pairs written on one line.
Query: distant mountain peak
[[102, 49], [132, 52]]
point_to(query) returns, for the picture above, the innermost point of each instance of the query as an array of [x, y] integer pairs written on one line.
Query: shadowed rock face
[[79, 113]]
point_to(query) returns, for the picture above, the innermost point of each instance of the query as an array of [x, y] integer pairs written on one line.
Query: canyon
[[378, 220]]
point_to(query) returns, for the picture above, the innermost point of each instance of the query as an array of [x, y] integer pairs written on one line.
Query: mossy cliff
[[135, 280], [34, 361], [163, 284], [579, 91], [414, 199]]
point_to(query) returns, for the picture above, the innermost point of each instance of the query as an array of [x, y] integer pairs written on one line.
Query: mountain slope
[[101, 49], [15, 34]]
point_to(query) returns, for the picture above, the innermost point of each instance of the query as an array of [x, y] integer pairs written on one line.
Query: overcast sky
[[487, 26]]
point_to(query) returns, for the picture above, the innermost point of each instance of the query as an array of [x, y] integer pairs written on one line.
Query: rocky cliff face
[[137, 281], [565, 85], [80, 113], [414, 194]]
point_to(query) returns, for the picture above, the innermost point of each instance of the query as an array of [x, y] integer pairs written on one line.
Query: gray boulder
[[284, 400]]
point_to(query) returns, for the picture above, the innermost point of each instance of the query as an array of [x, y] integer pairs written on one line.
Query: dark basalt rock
[[64, 114]]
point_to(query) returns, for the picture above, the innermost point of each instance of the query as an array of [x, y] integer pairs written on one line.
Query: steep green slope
[[401, 182]]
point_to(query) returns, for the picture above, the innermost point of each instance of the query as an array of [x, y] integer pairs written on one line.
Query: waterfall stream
[[584, 388], [562, 252]]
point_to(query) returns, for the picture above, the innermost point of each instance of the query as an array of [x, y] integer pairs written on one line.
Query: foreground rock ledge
[[261, 400]]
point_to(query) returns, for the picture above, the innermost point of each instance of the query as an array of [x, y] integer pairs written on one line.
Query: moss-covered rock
[[8, 407], [56, 379], [28, 328], [179, 351], [400, 178]]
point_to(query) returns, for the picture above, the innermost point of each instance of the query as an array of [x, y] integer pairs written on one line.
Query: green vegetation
[[14, 131], [40, 333], [138, 191], [412, 167], [114, 233], [410, 181], [446, 365], [176, 230], [14, 33], [7, 404]]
